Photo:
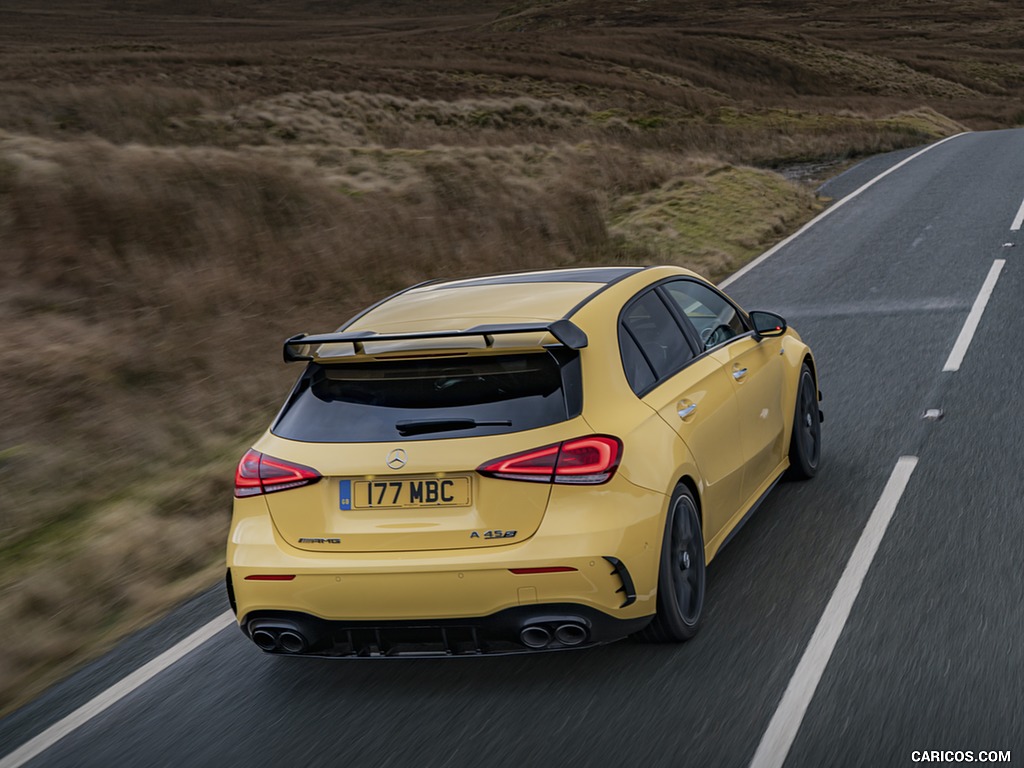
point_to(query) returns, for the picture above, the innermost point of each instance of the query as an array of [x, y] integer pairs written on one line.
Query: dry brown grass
[[182, 184], [137, 275]]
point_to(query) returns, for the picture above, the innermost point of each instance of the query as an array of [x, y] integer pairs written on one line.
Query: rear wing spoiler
[[301, 347]]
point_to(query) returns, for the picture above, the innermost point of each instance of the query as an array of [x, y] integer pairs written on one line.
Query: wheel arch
[[692, 487], [809, 362], [796, 355]]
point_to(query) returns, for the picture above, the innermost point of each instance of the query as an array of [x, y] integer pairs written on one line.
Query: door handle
[[687, 411], [739, 373]]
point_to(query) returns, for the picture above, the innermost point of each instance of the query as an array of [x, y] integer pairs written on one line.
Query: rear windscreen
[[385, 401]]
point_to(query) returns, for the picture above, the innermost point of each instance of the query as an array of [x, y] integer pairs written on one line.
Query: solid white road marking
[[115, 693], [1018, 219], [963, 341], [775, 744], [829, 211]]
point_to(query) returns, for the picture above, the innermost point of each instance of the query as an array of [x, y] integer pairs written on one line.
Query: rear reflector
[[270, 577], [258, 473], [588, 460], [552, 569]]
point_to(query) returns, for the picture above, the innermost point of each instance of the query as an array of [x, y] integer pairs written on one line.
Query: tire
[[681, 574], [805, 443]]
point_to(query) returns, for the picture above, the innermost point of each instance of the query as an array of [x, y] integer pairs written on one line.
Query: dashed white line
[[963, 341], [777, 740], [115, 693], [828, 212], [1018, 220]]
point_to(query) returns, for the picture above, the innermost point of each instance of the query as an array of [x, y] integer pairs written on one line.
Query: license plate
[[405, 494]]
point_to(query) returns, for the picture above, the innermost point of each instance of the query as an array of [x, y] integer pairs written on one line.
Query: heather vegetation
[[183, 184]]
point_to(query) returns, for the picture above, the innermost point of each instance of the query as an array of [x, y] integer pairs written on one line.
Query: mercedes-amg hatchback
[[515, 462]]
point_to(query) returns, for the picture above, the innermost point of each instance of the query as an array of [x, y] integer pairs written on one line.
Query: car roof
[[505, 298]]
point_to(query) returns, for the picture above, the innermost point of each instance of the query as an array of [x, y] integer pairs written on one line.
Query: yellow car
[[513, 463]]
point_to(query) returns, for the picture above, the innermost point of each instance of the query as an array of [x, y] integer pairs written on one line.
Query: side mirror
[[767, 324]]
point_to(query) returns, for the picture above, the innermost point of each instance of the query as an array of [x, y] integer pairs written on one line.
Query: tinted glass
[[715, 319], [658, 334], [430, 399], [638, 371]]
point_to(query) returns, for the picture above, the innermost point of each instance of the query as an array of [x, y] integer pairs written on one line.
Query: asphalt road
[[930, 657]]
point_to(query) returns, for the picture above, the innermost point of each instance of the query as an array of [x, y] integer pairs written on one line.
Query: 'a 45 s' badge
[[493, 535]]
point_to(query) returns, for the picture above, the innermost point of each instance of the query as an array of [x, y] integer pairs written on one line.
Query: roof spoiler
[[567, 333]]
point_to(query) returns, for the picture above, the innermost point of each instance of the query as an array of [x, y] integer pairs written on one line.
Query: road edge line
[[973, 320], [98, 704], [1018, 220], [830, 210], [778, 737]]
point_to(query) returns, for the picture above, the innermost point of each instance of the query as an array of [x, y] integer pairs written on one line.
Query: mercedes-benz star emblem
[[397, 458]]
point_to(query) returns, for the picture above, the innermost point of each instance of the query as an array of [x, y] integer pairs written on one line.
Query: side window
[[638, 371], [715, 319], [652, 343]]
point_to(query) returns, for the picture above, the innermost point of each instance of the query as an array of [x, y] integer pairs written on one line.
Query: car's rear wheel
[[805, 444], [681, 576]]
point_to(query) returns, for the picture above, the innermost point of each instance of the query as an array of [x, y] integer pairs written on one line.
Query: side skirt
[[750, 512]]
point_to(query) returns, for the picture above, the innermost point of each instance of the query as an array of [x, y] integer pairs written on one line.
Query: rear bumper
[[579, 533], [605, 546], [466, 590]]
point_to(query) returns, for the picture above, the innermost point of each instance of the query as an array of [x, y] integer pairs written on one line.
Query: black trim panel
[[749, 514], [496, 634], [627, 589]]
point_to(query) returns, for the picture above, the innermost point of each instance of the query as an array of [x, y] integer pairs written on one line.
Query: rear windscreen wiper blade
[[407, 428]]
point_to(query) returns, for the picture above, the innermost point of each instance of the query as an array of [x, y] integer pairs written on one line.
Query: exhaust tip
[[570, 634], [264, 639], [292, 642], [535, 637]]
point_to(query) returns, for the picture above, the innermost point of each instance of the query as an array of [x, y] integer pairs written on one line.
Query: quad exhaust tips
[[294, 634], [278, 638], [537, 636]]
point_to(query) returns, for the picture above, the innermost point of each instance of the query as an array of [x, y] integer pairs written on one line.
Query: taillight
[[536, 465], [582, 461], [258, 473]]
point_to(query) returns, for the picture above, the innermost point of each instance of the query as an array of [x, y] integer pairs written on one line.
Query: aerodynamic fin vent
[[627, 589]]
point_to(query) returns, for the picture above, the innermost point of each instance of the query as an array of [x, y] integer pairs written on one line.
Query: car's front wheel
[[805, 444], [681, 575]]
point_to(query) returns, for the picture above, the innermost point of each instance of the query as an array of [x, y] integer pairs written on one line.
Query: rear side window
[[638, 370], [387, 401], [652, 343]]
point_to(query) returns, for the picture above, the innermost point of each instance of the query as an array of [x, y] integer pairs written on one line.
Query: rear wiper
[[407, 428]]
